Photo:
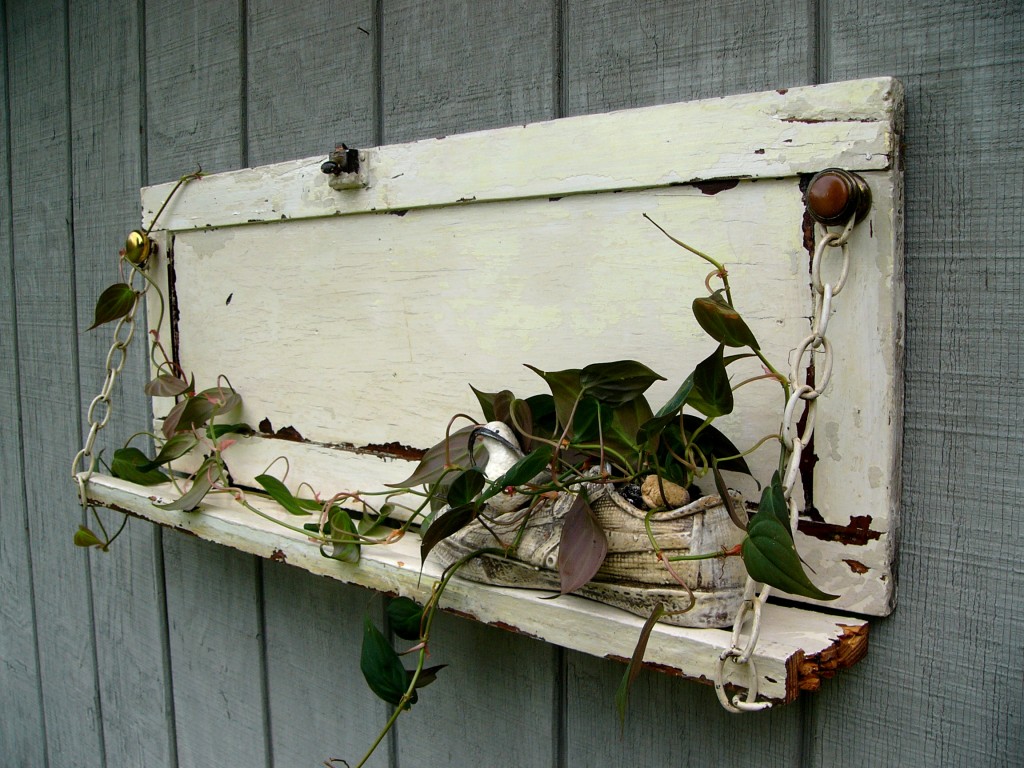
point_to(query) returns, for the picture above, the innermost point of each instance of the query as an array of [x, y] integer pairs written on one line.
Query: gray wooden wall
[[172, 652]]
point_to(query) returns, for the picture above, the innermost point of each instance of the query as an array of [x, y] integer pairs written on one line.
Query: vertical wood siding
[[171, 652]]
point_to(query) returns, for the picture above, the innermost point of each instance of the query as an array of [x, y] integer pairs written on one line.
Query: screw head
[[834, 195], [137, 247]]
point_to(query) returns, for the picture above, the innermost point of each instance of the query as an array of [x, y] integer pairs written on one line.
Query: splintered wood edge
[[797, 647]]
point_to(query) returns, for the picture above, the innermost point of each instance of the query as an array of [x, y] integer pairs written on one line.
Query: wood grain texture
[[499, 693], [319, 705], [49, 396], [633, 53], [214, 620], [22, 738], [195, 77], [128, 603], [461, 65], [310, 82], [668, 722], [943, 684], [194, 85]]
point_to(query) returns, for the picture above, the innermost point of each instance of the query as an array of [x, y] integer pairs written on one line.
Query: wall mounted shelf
[[352, 321]]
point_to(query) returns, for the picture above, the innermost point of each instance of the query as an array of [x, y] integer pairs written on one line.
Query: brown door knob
[[834, 195]]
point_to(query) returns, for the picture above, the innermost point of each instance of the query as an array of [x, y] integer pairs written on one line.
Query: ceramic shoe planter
[[632, 577]]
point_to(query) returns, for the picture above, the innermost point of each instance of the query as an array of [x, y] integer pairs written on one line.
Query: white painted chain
[[740, 653], [102, 408]]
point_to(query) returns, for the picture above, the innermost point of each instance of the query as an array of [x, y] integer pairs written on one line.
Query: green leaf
[[279, 493], [453, 520], [174, 448], [433, 465], [197, 411], [591, 421], [617, 382], [771, 558], [715, 445], [166, 385], [381, 666], [202, 483], [466, 486], [114, 303], [565, 389], [223, 399], [86, 538], [427, 675], [523, 471], [129, 464], [636, 663], [582, 546], [344, 544], [773, 502], [217, 431], [723, 323], [738, 517], [494, 405], [650, 430], [712, 392], [405, 617]]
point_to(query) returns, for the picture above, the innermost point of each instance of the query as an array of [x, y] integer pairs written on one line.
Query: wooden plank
[[943, 686], [128, 603], [194, 108], [195, 113], [630, 54], [310, 81], [460, 65], [500, 685], [47, 347], [754, 136], [795, 645], [319, 705], [22, 736]]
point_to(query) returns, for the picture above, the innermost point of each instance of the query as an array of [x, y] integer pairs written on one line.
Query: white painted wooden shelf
[[351, 322], [798, 648]]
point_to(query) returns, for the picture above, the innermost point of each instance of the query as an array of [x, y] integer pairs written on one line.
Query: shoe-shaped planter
[[631, 578]]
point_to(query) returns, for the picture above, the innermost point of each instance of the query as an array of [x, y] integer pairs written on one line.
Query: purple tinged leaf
[[202, 483], [170, 425], [280, 493], [738, 518], [565, 389], [175, 447], [196, 413], [433, 464], [617, 382], [114, 303], [723, 323], [427, 675], [166, 385], [494, 405], [582, 547], [451, 521]]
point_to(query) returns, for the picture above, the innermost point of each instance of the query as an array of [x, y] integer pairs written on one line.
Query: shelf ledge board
[[797, 647]]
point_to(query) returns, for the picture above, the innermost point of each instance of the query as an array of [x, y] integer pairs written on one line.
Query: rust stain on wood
[[716, 186], [851, 647], [395, 449], [284, 433], [856, 566], [857, 533], [278, 556]]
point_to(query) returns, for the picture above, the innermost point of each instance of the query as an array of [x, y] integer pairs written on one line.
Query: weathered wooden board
[[796, 650], [370, 345]]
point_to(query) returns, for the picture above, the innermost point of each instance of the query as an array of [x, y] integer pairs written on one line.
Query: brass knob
[[137, 247], [834, 195]]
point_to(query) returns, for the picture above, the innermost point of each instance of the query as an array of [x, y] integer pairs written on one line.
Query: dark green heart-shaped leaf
[[405, 617], [114, 303], [650, 430], [201, 485], [771, 558], [381, 667], [636, 662], [495, 405], [591, 421], [434, 464], [453, 520], [166, 385], [723, 323], [712, 392], [176, 447], [565, 389], [542, 420], [128, 464], [344, 544], [217, 431], [617, 382], [466, 486], [582, 546]]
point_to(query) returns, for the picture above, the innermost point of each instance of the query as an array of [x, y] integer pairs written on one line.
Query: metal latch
[[343, 169]]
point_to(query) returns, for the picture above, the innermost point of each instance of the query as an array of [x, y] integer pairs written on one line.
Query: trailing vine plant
[[594, 425]]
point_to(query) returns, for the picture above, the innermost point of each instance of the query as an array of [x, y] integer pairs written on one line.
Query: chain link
[[794, 440]]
